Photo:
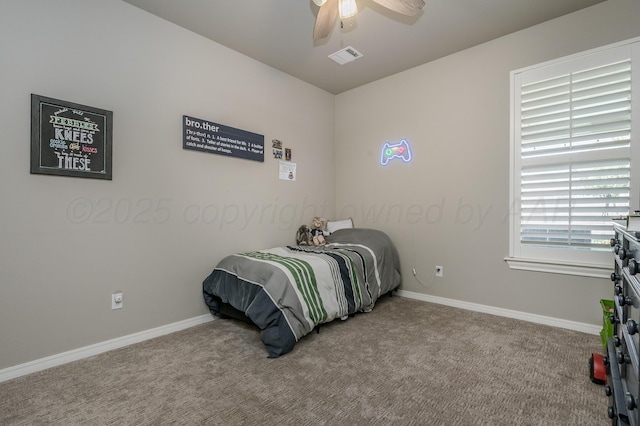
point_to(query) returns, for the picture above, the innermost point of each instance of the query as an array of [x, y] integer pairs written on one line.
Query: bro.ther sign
[[202, 135]]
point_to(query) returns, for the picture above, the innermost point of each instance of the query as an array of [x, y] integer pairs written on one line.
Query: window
[[574, 145]]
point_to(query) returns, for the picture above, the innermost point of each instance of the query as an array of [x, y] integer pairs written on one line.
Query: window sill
[[582, 270]]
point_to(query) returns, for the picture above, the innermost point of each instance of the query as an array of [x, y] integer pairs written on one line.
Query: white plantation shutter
[[572, 146], [572, 204]]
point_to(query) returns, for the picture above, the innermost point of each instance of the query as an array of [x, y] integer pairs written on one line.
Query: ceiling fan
[[330, 9]]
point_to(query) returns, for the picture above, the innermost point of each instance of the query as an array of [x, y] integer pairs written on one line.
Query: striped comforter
[[288, 291]]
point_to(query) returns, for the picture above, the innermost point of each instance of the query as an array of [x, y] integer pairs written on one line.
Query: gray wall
[[450, 206], [56, 275]]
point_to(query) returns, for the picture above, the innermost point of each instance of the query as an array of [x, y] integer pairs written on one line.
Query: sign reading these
[[202, 135], [69, 139]]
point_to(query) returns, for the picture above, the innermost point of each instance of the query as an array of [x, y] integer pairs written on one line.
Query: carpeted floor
[[407, 363]]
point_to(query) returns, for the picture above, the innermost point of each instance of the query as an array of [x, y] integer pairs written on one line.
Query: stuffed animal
[[318, 231], [303, 236]]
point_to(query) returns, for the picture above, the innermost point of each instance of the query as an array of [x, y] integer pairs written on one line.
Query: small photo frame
[[69, 139], [287, 154]]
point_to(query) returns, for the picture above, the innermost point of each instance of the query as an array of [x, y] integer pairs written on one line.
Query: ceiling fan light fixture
[[319, 2], [348, 8]]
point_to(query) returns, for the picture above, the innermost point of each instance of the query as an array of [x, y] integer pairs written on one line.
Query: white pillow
[[339, 224]]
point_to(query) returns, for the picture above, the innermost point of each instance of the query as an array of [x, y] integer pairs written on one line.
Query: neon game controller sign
[[400, 150]]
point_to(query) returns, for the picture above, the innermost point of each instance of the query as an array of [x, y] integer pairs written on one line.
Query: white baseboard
[[539, 319], [98, 348]]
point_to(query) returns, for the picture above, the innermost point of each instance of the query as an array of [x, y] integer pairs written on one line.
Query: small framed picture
[[287, 154], [69, 139]]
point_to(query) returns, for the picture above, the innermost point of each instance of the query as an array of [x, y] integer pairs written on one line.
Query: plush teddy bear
[[318, 231], [303, 236]]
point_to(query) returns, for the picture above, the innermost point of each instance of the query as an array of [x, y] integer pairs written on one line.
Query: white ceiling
[[279, 32]]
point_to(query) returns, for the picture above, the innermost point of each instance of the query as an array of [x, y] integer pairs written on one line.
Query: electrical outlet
[[439, 271], [117, 300]]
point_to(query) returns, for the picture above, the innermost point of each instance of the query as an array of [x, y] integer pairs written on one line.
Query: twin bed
[[288, 291]]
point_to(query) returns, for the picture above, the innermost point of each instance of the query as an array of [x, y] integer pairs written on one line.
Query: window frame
[[569, 261]]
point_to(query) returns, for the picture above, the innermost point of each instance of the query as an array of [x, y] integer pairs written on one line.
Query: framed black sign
[[68, 139]]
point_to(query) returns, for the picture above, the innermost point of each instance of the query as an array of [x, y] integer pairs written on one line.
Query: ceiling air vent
[[348, 54]]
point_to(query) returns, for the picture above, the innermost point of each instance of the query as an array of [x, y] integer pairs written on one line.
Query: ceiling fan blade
[[404, 7], [325, 20]]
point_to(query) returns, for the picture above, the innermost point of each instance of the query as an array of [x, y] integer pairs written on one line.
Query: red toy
[[597, 369]]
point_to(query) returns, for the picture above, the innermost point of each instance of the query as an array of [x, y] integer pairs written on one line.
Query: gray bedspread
[[288, 291]]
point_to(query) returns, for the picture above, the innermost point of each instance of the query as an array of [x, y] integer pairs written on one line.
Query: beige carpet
[[407, 363]]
